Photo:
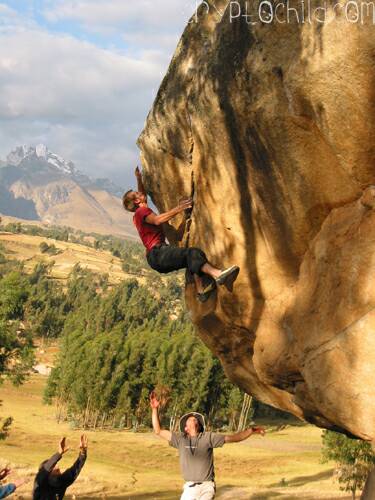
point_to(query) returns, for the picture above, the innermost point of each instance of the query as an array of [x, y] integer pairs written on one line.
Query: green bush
[[44, 247], [50, 249]]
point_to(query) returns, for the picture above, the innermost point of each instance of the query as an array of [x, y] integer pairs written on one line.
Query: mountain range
[[37, 184]]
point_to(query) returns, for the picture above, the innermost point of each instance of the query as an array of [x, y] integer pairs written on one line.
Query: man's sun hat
[[198, 416]]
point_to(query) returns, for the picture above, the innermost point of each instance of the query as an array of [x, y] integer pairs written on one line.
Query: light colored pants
[[204, 491]]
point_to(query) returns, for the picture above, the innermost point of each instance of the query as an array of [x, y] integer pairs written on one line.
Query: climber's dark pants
[[166, 259]]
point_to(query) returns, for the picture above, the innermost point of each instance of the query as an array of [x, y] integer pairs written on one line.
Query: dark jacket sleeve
[[43, 473], [71, 474], [7, 490]]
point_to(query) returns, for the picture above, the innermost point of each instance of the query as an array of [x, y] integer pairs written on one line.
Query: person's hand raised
[[154, 402], [83, 443], [62, 446], [4, 473]]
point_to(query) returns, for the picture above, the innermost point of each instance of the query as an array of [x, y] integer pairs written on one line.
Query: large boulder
[[270, 125]]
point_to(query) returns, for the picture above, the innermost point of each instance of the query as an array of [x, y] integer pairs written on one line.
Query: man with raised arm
[[8, 489], [195, 447], [165, 258], [50, 483]]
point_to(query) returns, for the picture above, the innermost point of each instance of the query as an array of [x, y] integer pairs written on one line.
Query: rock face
[[271, 126]]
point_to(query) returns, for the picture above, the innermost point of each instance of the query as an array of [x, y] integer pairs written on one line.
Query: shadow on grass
[[270, 495], [226, 492], [229, 492], [303, 480], [222, 492], [159, 495], [267, 495]]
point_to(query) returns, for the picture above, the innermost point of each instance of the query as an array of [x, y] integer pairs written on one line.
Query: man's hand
[[258, 430], [4, 473], [20, 482], [241, 436], [62, 446], [138, 175], [154, 402], [186, 204], [83, 443], [158, 220]]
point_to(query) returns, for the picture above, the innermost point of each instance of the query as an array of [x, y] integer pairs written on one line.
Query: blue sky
[[81, 76]]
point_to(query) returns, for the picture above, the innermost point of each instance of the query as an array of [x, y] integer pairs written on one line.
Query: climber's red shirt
[[150, 234]]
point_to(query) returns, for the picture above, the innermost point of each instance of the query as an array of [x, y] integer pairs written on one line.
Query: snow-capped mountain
[[38, 184], [40, 152], [24, 156]]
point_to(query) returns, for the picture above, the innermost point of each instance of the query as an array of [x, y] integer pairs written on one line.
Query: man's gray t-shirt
[[196, 454]]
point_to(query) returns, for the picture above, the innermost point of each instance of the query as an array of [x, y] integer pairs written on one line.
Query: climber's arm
[[174, 234], [138, 176], [158, 220]]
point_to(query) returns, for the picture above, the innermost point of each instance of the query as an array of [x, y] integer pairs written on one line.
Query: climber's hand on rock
[[186, 204], [138, 173]]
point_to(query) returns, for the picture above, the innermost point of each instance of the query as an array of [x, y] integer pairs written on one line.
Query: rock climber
[[195, 447], [165, 258], [50, 483]]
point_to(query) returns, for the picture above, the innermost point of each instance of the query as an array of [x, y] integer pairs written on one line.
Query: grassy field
[[25, 248], [124, 465]]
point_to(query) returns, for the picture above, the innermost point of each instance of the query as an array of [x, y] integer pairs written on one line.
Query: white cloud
[[160, 44], [101, 14], [143, 25], [88, 102], [44, 75], [6, 12], [100, 152], [85, 102], [10, 18]]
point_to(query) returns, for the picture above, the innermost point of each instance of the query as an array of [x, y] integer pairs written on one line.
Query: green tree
[[14, 291], [13, 227], [354, 459], [16, 353], [5, 425], [2, 254]]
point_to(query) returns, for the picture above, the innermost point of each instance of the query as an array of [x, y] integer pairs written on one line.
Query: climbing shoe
[[228, 276]]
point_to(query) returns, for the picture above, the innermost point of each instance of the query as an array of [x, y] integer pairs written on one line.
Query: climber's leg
[[196, 261], [198, 264], [228, 276], [166, 259]]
